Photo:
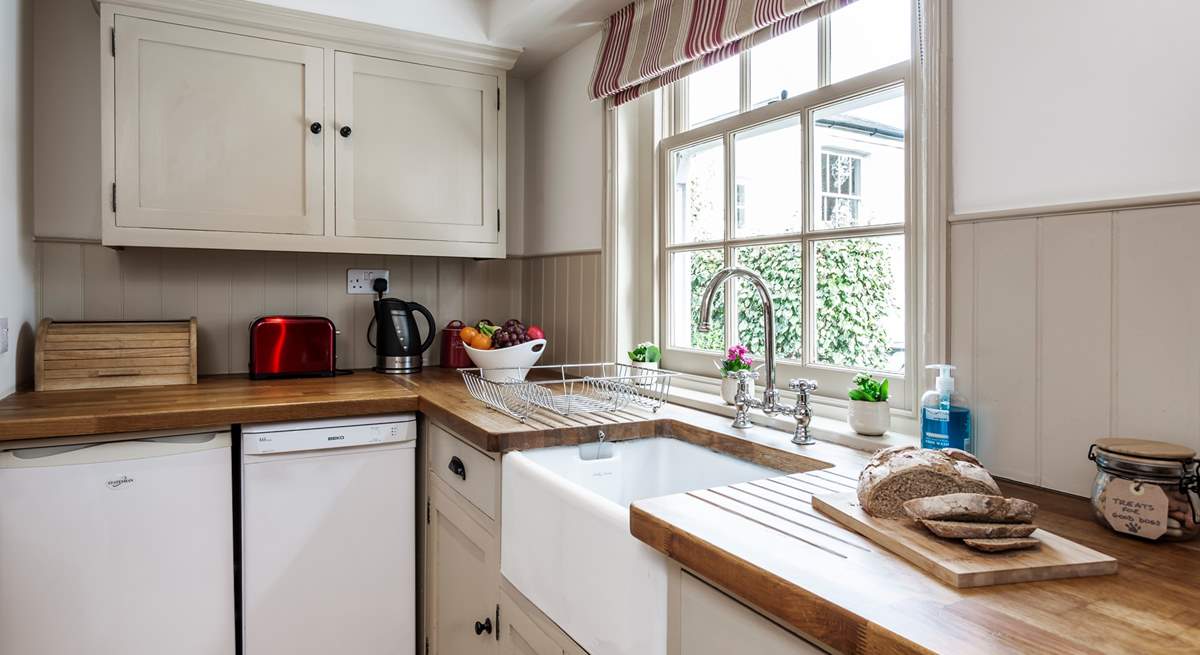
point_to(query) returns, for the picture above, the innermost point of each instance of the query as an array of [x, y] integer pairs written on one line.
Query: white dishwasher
[[120, 547], [329, 537]]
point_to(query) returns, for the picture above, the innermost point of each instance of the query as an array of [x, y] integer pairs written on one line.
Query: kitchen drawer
[[467, 471]]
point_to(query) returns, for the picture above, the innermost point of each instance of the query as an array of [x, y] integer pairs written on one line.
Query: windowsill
[[824, 428]]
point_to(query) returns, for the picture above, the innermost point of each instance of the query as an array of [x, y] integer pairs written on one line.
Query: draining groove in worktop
[[784, 505], [226, 290]]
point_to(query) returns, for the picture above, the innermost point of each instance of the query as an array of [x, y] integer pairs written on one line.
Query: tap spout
[[705, 322]]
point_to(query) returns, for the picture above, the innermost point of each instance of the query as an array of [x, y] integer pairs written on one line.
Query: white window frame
[[833, 381]]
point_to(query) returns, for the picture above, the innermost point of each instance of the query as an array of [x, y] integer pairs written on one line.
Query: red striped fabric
[[651, 43]]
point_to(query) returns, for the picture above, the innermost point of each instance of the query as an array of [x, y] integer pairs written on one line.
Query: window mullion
[[730, 182], [824, 75], [744, 82]]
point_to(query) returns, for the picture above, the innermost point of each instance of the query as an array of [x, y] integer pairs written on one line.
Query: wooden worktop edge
[[793, 605]]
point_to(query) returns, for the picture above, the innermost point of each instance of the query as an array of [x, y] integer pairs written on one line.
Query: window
[[801, 174]]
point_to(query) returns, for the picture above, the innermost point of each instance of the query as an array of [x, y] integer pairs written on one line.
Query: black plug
[[379, 285]]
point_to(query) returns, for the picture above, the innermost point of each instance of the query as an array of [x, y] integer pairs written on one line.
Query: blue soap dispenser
[[945, 419]]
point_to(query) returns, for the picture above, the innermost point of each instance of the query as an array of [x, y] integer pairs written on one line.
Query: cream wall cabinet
[[236, 125]]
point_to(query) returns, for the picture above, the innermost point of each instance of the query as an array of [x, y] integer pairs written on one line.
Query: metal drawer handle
[[458, 468], [486, 626]]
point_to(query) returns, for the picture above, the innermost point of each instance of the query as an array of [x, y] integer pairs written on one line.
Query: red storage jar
[[453, 353]]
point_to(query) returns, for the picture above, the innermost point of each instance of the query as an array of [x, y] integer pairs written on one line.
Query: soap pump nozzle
[[945, 379]]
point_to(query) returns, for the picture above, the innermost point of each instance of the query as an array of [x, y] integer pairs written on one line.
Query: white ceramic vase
[[869, 418], [729, 386], [647, 380]]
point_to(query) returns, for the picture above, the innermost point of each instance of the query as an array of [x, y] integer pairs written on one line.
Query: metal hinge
[[497, 221], [427, 511], [497, 98], [427, 646], [114, 197], [113, 34], [497, 622]]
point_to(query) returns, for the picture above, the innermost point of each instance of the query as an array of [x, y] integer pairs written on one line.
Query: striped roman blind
[[651, 43]]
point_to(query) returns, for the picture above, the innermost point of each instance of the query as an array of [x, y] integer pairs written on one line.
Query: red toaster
[[292, 347]]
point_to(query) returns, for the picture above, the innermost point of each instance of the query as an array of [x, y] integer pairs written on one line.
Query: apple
[[535, 332]]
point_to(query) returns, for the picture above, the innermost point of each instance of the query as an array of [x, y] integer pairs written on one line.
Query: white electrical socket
[[3, 335], [359, 280]]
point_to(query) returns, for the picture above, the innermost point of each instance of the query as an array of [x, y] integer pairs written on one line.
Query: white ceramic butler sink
[[565, 541]]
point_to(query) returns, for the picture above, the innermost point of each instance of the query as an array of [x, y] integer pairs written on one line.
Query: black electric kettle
[[398, 344]]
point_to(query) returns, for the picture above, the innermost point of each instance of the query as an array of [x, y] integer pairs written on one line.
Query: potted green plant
[[645, 355], [737, 359], [869, 413]]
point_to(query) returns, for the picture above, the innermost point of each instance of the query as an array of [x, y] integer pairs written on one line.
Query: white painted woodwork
[[422, 159], [1067, 329], [462, 582], [212, 131], [225, 290], [479, 484], [563, 294], [519, 635], [711, 623]]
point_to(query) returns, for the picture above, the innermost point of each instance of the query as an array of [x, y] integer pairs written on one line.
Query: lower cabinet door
[[519, 635], [712, 623], [462, 579]]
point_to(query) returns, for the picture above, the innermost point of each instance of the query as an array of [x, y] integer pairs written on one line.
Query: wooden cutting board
[[952, 562]]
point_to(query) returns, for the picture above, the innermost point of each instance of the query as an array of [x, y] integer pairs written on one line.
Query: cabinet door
[[712, 623], [417, 151], [519, 635], [213, 131], [462, 579]]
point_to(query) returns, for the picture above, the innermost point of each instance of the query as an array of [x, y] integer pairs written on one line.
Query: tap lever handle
[[802, 385]]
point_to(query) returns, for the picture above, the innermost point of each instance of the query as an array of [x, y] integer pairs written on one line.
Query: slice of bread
[[969, 530], [901, 473], [973, 507], [1001, 545]]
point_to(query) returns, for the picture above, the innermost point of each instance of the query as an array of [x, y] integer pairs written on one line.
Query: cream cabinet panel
[[214, 131], [519, 635], [462, 578], [417, 152], [712, 623]]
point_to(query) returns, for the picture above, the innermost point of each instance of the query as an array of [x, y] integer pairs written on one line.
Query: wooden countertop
[[820, 579], [764, 543], [214, 401]]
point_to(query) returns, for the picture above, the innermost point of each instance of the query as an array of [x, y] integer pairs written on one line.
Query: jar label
[[1136, 508]]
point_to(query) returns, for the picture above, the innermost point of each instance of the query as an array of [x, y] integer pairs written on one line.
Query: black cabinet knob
[[345, 130], [315, 128], [457, 467], [486, 626]]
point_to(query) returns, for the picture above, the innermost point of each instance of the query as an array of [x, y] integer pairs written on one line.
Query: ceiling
[[543, 28]]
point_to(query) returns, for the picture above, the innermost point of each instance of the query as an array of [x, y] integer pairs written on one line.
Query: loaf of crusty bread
[[971, 530], [901, 473]]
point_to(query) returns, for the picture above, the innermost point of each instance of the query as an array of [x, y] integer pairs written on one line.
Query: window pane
[[690, 272], [779, 266], [768, 162], [867, 35], [860, 302], [713, 92], [787, 64], [858, 162], [698, 204]]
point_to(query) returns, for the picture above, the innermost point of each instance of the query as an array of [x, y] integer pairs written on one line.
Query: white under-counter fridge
[[118, 547]]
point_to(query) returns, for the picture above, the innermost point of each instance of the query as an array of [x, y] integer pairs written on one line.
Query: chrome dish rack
[[569, 389]]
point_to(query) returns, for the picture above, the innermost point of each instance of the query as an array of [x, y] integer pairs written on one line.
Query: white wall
[[465, 20], [1071, 328], [564, 156], [17, 266], [1073, 100]]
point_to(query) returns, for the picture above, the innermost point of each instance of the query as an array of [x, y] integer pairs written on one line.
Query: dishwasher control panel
[[322, 435]]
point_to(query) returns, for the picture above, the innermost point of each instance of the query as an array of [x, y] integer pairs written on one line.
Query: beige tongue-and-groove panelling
[[1070, 328], [563, 294], [226, 290]]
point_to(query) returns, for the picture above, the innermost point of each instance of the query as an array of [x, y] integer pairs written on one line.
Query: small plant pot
[[869, 419], [648, 379], [729, 387]]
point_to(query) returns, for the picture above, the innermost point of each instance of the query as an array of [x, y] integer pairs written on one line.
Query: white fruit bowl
[[510, 363]]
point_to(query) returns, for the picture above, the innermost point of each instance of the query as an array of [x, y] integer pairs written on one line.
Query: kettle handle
[[432, 325]]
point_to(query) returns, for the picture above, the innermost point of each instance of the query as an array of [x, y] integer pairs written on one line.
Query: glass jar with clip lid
[[1149, 489]]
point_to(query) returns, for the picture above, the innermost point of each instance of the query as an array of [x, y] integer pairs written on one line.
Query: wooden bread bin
[[87, 355]]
